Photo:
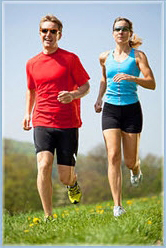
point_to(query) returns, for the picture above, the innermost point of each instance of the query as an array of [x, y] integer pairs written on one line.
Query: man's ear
[[59, 35]]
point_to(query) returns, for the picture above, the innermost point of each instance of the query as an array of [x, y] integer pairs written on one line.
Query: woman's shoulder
[[103, 56], [139, 53]]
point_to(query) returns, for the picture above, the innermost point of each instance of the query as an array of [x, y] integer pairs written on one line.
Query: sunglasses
[[122, 28], [52, 31]]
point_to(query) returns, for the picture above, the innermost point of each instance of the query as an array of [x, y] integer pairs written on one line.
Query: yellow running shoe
[[74, 193]]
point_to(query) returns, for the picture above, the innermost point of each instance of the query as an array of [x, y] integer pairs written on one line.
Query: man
[[56, 80]]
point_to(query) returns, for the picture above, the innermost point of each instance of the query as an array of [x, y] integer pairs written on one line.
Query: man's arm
[[30, 100], [69, 96]]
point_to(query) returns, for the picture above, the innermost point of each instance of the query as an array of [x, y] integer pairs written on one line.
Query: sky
[[87, 32]]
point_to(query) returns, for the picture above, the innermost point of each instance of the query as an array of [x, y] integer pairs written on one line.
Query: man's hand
[[65, 97], [26, 123]]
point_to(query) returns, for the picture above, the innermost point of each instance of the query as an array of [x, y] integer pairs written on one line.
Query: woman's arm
[[103, 83], [148, 81]]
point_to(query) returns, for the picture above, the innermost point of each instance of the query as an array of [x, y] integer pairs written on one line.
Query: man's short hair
[[52, 18]]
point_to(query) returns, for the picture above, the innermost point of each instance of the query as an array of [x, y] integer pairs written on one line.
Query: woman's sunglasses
[[122, 28]]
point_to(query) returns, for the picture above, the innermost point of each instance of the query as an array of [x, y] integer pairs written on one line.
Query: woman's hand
[[121, 76], [98, 106]]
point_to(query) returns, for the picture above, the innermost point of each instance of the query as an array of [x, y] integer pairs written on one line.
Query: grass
[[89, 225]]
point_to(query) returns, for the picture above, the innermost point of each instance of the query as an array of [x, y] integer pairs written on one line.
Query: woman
[[122, 115]]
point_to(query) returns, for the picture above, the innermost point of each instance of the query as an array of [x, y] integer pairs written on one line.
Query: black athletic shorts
[[65, 141], [128, 118]]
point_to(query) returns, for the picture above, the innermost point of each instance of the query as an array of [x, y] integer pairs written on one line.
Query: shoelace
[[74, 190]]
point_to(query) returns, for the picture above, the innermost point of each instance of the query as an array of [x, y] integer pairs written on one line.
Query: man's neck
[[50, 51]]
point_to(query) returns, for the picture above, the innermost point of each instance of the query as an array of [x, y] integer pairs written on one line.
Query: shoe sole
[[140, 181]]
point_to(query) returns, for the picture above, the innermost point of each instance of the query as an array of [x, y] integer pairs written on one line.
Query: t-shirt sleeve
[[79, 74], [30, 81]]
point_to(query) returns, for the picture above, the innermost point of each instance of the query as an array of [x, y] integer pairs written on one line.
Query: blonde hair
[[51, 18], [134, 41]]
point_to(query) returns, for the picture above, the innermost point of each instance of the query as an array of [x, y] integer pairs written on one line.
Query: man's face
[[49, 34]]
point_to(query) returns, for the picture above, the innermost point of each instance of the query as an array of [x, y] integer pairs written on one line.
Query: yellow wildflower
[[31, 225], [149, 222], [100, 211], [98, 207], [55, 216], [26, 231], [36, 220], [129, 202]]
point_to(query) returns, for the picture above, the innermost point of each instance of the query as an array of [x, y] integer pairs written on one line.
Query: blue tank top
[[124, 92]]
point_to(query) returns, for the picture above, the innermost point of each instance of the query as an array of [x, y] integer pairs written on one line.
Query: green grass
[[90, 225]]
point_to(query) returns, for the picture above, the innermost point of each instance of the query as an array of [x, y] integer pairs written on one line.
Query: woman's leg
[[113, 145], [131, 151]]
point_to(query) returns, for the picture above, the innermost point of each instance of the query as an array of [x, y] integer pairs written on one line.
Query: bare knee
[[44, 162], [114, 158], [44, 167]]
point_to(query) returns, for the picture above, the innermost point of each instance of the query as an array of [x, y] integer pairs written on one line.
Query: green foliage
[[20, 171], [90, 225], [15, 147]]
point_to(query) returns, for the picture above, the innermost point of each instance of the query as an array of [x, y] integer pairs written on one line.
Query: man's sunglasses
[[122, 28], [52, 31]]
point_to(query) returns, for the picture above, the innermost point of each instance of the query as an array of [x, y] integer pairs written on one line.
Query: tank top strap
[[110, 56], [132, 53]]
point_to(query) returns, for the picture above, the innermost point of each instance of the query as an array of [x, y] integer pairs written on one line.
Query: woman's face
[[121, 32]]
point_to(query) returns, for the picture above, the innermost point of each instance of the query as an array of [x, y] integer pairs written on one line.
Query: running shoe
[[118, 210], [74, 193], [48, 218], [136, 179]]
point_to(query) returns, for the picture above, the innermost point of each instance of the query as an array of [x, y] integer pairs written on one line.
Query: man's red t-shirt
[[48, 74]]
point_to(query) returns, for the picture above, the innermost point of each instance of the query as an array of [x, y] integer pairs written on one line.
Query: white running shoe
[[136, 179], [118, 210]]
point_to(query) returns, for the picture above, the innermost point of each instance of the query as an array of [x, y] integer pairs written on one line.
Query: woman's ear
[[131, 34]]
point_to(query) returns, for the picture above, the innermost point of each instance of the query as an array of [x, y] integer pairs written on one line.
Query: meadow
[[92, 224]]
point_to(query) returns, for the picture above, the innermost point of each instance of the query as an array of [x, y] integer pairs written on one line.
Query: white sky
[[87, 32]]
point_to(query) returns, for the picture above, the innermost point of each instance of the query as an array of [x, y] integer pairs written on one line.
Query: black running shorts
[[128, 118], [65, 141]]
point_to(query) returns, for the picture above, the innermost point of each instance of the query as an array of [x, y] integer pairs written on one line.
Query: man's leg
[[67, 174], [44, 181], [68, 177]]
